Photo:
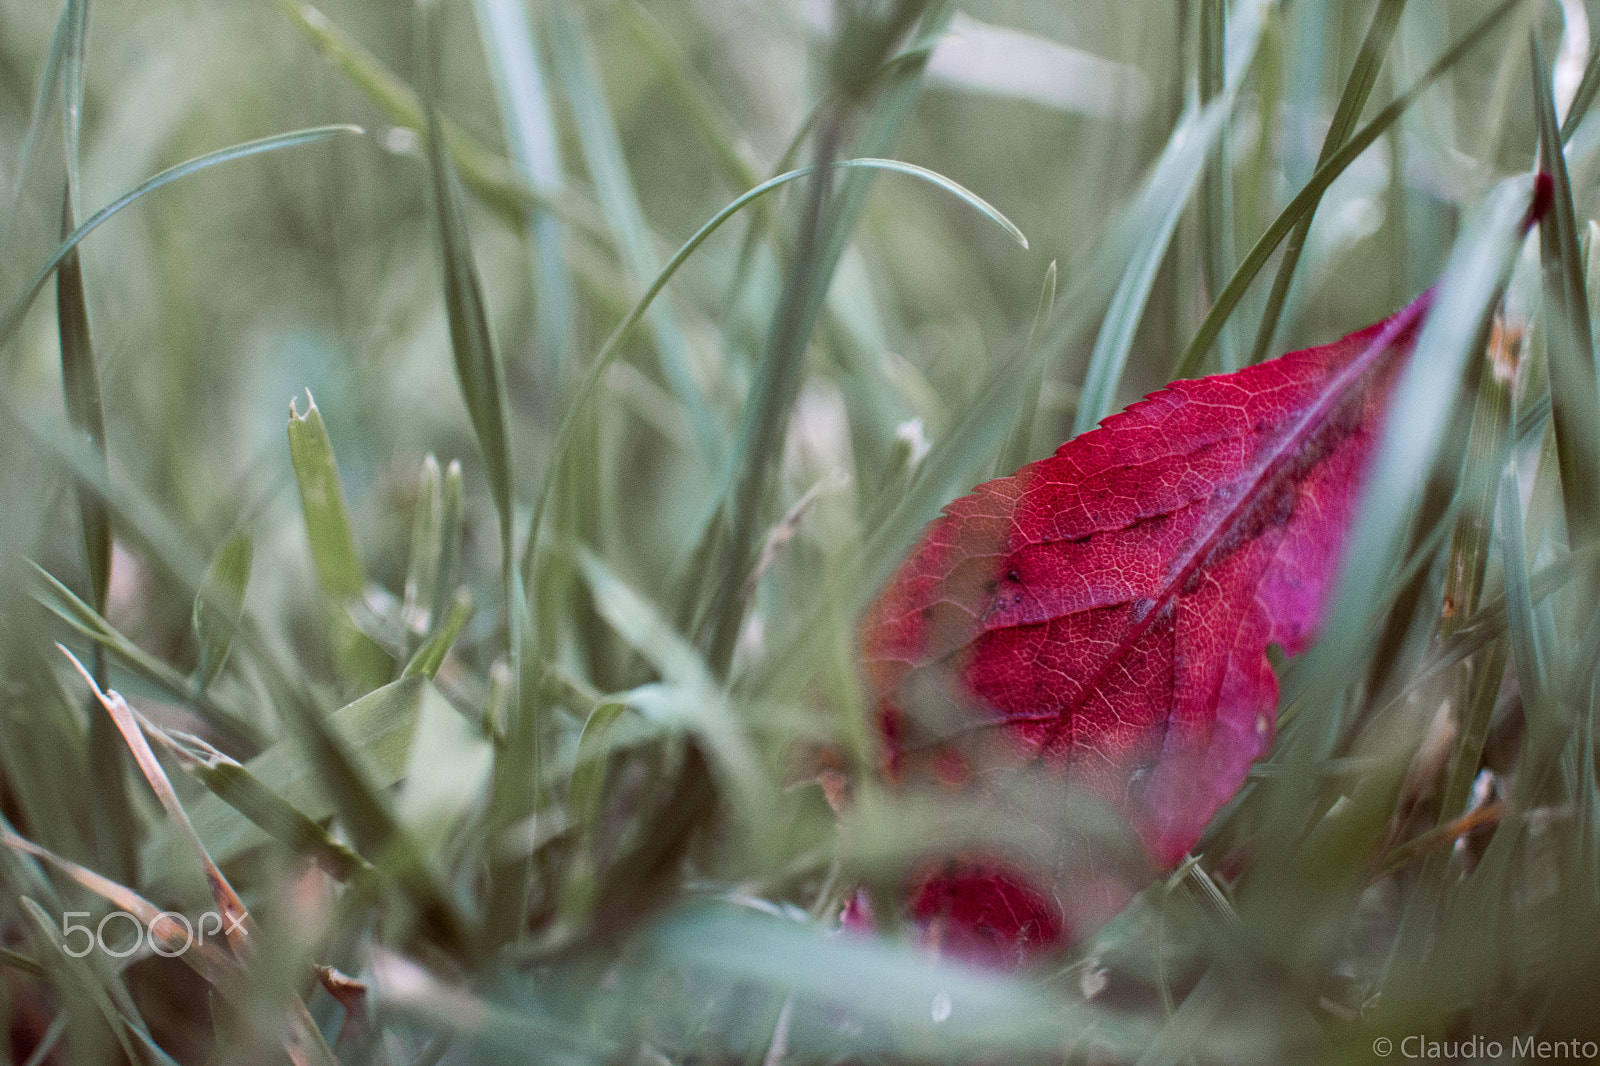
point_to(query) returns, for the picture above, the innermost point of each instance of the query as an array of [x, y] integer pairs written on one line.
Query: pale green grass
[[704, 310]]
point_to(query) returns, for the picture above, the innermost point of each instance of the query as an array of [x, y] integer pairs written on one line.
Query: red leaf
[[1110, 607]]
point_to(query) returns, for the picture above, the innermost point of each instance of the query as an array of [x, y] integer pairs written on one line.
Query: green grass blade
[[690, 694], [1521, 625], [828, 218], [1419, 411], [316, 471], [589, 388], [490, 177], [1584, 97], [80, 378], [1189, 363], [422, 571], [1215, 206], [478, 365], [219, 607], [1177, 172], [614, 186], [376, 730], [244, 791], [529, 122], [1357, 89], [431, 655], [44, 94], [516, 763], [232, 726], [450, 529], [1474, 690], [1574, 395], [345, 775], [13, 315], [1019, 448]]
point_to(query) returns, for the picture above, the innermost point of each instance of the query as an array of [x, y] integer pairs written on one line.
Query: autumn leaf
[[1108, 610]]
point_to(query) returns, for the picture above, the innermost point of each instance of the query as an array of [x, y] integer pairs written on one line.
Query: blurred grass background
[[591, 831]]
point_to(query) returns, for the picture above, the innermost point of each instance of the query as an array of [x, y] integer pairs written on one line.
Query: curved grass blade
[[614, 186], [13, 315], [1189, 362], [1357, 89], [586, 391]]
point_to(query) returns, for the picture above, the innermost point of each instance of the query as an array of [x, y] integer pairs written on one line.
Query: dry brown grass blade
[[305, 1046], [237, 920], [215, 966]]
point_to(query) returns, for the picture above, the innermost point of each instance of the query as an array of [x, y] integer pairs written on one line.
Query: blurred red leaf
[[1109, 608]]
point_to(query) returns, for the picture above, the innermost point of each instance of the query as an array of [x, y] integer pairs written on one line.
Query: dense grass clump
[[502, 704]]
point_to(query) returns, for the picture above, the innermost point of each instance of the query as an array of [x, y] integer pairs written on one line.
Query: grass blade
[[219, 607], [239, 927], [589, 388], [516, 763], [1574, 396], [478, 365], [1176, 171], [422, 571], [1587, 87], [1412, 432], [431, 655], [13, 315], [316, 471], [608, 168], [236, 785], [1019, 448], [525, 112], [1357, 89], [450, 523], [80, 378], [233, 727], [1307, 197], [1216, 184]]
